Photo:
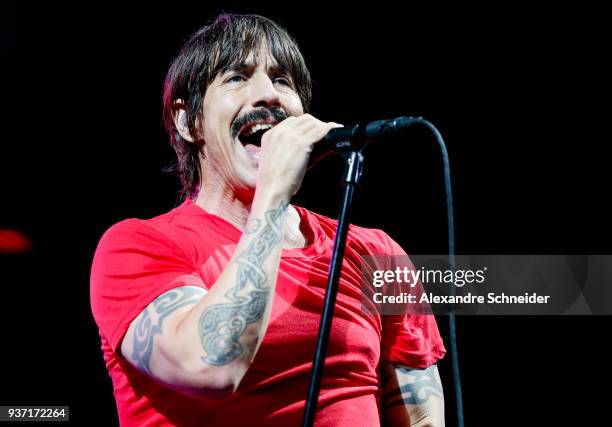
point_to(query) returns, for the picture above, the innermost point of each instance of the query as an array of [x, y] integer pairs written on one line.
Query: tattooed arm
[[412, 397], [202, 343]]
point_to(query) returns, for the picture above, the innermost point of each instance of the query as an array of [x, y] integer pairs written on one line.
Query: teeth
[[259, 126]]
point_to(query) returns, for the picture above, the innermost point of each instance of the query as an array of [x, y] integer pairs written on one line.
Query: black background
[[520, 94]]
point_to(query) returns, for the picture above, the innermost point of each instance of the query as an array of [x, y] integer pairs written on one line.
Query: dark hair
[[211, 50]]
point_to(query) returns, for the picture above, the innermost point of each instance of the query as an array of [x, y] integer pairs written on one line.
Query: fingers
[[306, 129], [286, 149], [312, 128]]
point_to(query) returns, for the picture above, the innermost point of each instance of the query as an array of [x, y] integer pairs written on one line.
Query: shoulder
[[374, 240], [139, 242], [158, 230], [134, 253], [365, 239]]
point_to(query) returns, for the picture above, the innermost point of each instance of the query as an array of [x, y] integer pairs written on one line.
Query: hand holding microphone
[[355, 137]]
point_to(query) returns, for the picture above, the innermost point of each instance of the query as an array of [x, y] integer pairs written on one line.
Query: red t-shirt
[[138, 260]]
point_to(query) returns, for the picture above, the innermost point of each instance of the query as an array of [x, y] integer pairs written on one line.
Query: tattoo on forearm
[[222, 325], [152, 319], [414, 386], [252, 226]]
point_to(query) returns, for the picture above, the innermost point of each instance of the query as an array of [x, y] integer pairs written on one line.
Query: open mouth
[[251, 135]]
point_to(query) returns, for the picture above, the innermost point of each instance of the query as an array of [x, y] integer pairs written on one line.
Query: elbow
[[219, 382], [212, 382], [191, 375], [216, 389]]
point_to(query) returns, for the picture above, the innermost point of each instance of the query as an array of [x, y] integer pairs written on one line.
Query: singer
[[208, 314]]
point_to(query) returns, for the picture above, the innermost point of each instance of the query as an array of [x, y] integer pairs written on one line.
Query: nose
[[263, 93]]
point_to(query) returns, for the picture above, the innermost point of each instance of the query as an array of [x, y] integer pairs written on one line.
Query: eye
[[283, 81], [235, 78]]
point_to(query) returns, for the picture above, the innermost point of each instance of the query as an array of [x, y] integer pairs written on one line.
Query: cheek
[[218, 115], [294, 105]]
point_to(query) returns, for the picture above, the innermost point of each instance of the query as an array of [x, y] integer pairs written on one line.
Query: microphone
[[355, 137]]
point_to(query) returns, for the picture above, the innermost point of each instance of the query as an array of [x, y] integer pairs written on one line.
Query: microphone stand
[[349, 142], [352, 174]]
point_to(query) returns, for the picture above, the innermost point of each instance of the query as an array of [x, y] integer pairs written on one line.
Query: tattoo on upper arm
[[222, 325], [151, 321], [413, 386]]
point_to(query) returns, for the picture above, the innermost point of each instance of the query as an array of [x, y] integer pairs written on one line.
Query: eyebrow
[[241, 66]]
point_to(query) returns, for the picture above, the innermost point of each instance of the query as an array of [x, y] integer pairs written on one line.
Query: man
[[209, 313]]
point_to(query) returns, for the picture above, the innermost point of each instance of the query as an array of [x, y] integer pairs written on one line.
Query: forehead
[[260, 55]]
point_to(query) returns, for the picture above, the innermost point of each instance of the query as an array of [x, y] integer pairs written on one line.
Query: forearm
[[219, 337], [412, 397]]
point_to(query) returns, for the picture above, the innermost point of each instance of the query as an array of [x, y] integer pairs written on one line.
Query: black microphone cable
[[451, 252]]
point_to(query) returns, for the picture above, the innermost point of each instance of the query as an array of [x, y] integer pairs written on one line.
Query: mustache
[[261, 113]]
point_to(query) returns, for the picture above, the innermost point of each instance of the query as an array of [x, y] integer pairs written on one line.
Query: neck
[[217, 198], [220, 200]]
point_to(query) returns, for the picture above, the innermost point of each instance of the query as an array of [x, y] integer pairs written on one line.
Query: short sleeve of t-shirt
[[134, 263], [409, 339]]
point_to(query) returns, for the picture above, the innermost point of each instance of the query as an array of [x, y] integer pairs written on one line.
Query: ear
[[180, 120]]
